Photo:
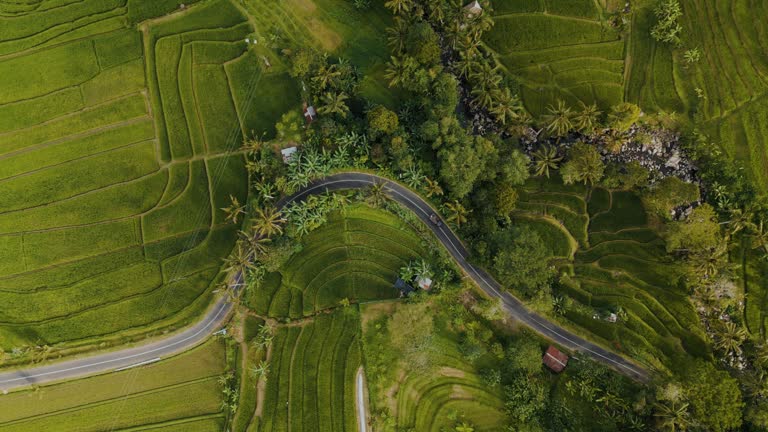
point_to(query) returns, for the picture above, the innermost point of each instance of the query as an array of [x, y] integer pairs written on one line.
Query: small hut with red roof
[[555, 359]]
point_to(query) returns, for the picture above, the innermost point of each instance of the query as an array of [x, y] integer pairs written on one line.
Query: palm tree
[[399, 6], [761, 355], [587, 120], [239, 260], [614, 141], [230, 290], [267, 222], [408, 272], [485, 76], [436, 11], [712, 261], [259, 371], [413, 176], [398, 70], [334, 103], [482, 97], [377, 194], [730, 337], [559, 119], [465, 64], [253, 144], [424, 270], [741, 219], [506, 106], [456, 212], [760, 237], [267, 190], [432, 187], [545, 159], [636, 424], [673, 416], [255, 243], [464, 427], [326, 76], [398, 34], [234, 211]]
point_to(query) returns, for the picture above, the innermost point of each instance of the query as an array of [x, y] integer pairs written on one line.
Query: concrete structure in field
[[288, 153], [473, 9], [554, 359], [309, 113], [424, 283]]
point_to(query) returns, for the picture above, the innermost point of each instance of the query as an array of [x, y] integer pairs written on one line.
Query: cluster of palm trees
[[309, 214], [463, 32], [243, 263], [607, 403], [333, 82], [560, 119], [416, 269], [228, 383], [309, 164]]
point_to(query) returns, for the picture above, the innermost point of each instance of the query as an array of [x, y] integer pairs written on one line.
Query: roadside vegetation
[[603, 160]]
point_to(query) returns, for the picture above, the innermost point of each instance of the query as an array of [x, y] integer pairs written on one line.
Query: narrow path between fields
[[362, 412], [219, 312]]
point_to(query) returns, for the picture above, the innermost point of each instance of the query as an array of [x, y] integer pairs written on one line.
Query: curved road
[[217, 315]]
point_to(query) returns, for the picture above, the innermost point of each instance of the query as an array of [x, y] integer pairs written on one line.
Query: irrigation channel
[[219, 312]]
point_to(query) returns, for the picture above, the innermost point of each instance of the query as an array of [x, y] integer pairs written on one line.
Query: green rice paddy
[[179, 394], [355, 256], [620, 261], [118, 147]]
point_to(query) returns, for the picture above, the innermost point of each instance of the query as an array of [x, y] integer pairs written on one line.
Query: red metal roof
[[554, 359]]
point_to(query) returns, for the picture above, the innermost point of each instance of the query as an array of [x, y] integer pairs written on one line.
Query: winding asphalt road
[[218, 314]]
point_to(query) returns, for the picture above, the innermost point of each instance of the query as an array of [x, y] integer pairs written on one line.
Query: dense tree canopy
[[698, 233], [585, 165], [668, 194], [522, 260], [714, 396]]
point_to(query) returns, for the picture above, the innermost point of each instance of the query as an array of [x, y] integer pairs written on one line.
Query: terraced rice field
[[620, 261], [179, 394], [559, 49], [429, 400], [335, 27], [733, 75], [754, 272], [654, 81], [117, 148], [355, 256], [311, 386]]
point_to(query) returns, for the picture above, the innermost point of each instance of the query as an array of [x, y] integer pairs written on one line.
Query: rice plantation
[[118, 147], [559, 50], [355, 256], [621, 262], [179, 394]]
